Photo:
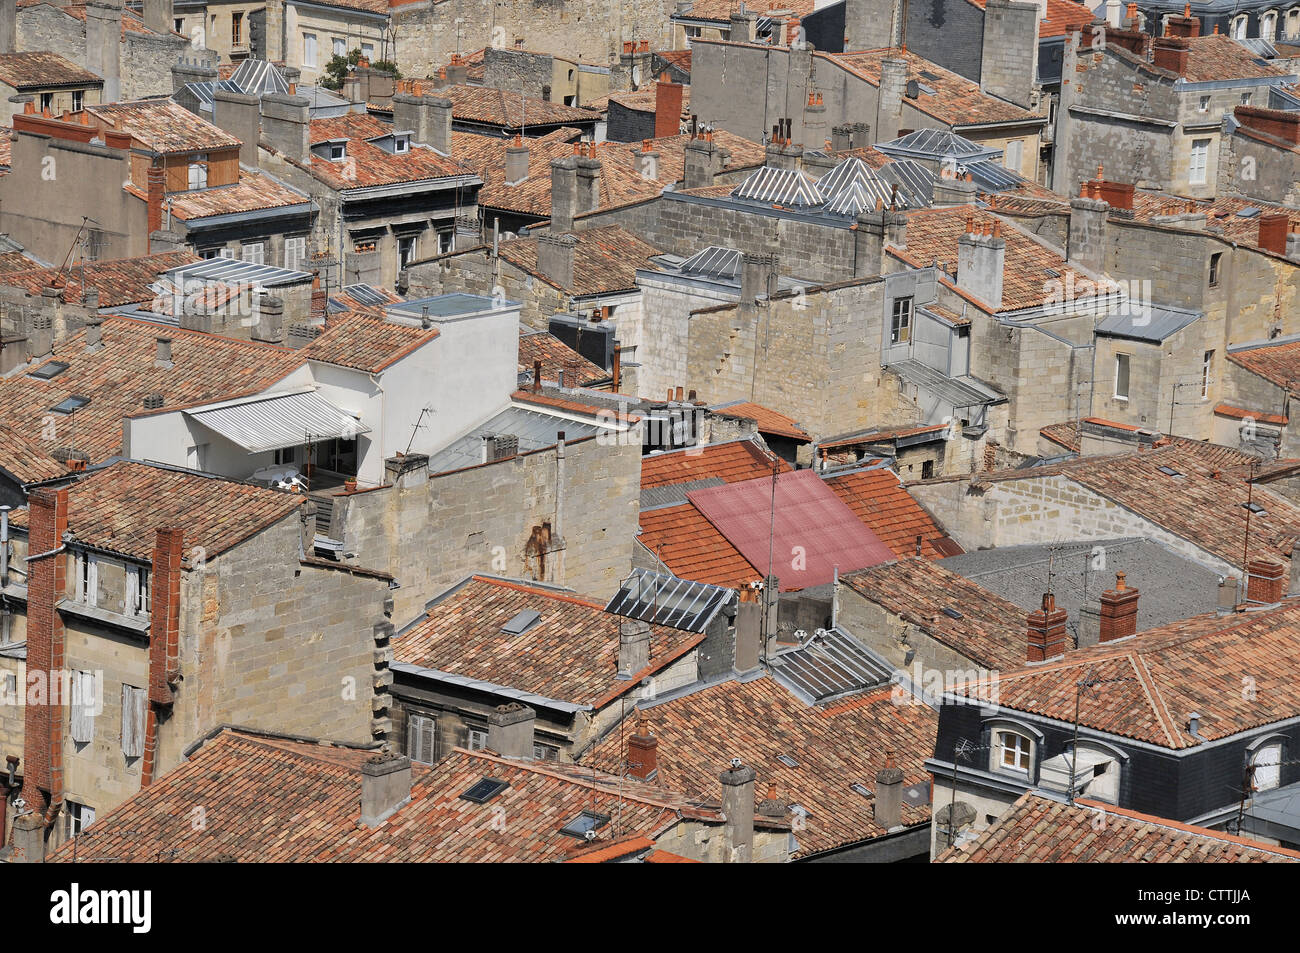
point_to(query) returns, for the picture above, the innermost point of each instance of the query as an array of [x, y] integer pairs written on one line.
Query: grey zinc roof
[[1147, 323], [829, 664], [1171, 586], [937, 144], [993, 176], [714, 261], [780, 186], [447, 305], [913, 178], [664, 599], [257, 77], [535, 430], [965, 391], [237, 272]]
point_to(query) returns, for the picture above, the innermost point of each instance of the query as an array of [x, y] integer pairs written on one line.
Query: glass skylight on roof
[[521, 622], [788, 761], [584, 823], [860, 789], [70, 404], [1255, 508], [1169, 471], [485, 790], [46, 371]]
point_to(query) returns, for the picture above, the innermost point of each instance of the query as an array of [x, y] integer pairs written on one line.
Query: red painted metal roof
[[814, 531]]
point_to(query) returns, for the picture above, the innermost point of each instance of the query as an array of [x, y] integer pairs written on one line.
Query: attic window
[[338, 151], [788, 761], [952, 613], [485, 790], [47, 371], [401, 144], [1255, 508], [585, 823], [860, 789], [70, 404], [1169, 471], [521, 622]]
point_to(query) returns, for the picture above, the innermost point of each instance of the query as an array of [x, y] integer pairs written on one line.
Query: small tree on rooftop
[[338, 66]]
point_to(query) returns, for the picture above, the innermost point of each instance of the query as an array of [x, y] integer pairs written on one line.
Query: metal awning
[[279, 420]]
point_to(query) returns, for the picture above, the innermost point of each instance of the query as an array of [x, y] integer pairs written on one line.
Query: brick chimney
[[510, 730], [668, 108], [633, 647], [1171, 53], [385, 787], [738, 809], [1047, 638], [981, 260], [1185, 25], [165, 613], [1119, 607], [44, 720], [1267, 580], [516, 161], [1273, 230], [643, 752], [156, 188], [887, 809]]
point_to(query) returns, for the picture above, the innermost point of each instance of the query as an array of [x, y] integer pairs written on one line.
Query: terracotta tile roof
[[163, 126], [1206, 511], [119, 507], [692, 548], [730, 462], [642, 100], [555, 355], [681, 59], [1065, 434], [991, 630], [497, 107], [878, 498], [721, 10], [1238, 413], [118, 377], [613, 852], [43, 69], [1160, 677], [1217, 57], [366, 340], [270, 799], [26, 460], [570, 654], [254, 192], [16, 261], [621, 174], [1277, 363], [605, 259], [6, 149], [597, 408], [759, 721], [120, 281], [1040, 830], [957, 101], [368, 165], [768, 420], [933, 234]]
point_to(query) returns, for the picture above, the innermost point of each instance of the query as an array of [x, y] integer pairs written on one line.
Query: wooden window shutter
[[133, 702], [421, 739], [82, 707]]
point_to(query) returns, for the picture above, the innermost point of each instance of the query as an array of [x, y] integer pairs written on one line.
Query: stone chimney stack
[[510, 730], [1047, 638], [757, 277], [163, 353], [8, 26], [516, 161], [103, 46], [738, 808], [270, 320], [1119, 607], [564, 193], [893, 88], [285, 124], [385, 787], [633, 647], [887, 809], [703, 161], [981, 260], [555, 255], [240, 115]]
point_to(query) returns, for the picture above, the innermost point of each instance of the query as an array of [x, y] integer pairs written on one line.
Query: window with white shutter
[[82, 707], [421, 738], [295, 251], [87, 567], [133, 703]]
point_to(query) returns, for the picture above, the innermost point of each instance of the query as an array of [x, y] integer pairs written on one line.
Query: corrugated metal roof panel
[[534, 431], [235, 271], [664, 599], [280, 420], [813, 533]]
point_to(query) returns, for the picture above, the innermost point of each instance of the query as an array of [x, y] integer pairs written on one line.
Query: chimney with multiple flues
[[643, 752], [738, 809], [633, 647], [887, 808]]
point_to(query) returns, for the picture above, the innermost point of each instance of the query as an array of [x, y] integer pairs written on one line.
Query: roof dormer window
[[401, 144], [338, 151]]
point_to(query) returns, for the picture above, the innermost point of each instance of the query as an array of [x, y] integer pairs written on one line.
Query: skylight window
[[521, 622], [860, 789], [47, 371], [788, 761], [585, 823], [485, 790], [952, 613], [70, 404], [1169, 471], [1255, 508]]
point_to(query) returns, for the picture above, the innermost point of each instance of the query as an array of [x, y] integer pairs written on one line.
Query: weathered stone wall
[[1010, 51], [1257, 170], [477, 272], [432, 532]]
